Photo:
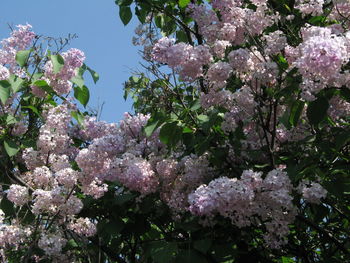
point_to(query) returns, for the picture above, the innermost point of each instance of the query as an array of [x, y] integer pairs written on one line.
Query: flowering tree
[[237, 151]]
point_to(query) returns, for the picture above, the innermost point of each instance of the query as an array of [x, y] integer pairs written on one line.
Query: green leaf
[[345, 94], [159, 21], [170, 134], [141, 14], [114, 227], [184, 3], [187, 130], [287, 260], [153, 233], [78, 79], [123, 198], [202, 144], [35, 110], [7, 207], [224, 252], [202, 245], [295, 112], [203, 118], [10, 119], [26, 217], [287, 7], [125, 14], [71, 244], [195, 105], [57, 62], [29, 143], [342, 139], [37, 76], [181, 36], [284, 119], [11, 147], [123, 2], [82, 95], [44, 86], [135, 79], [78, 116], [22, 57], [339, 185], [40, 83], [317, 20], [16, 83], [4, 90], [150, 128], [154, 122], [190, 256], [282, 62], [317, 110], [163, 252], [93, 73], [108, 229]]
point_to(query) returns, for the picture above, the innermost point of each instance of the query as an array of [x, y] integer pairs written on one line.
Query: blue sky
[[101, 35]]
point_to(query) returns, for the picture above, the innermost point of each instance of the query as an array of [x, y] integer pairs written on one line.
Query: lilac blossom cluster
[[73, 59], [250, 200], [183, 58], [115, 155], [312, 192], [307, 7], [320, 58], [50, 185], [20, 39]]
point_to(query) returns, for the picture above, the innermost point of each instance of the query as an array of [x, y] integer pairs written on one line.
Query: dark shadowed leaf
[[82, 95], [93, 74], [4, 90], [190, 256], [125, 14], [156, 121], [170, 134], [123, 2], [295, 112], [7, 207], [163, 252], [317, 110], [202, 245]]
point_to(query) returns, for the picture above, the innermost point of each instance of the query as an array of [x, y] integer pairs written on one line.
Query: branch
[[327, 234]]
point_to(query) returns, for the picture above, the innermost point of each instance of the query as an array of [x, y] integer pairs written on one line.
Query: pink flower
[[4, 73], [18, 194]]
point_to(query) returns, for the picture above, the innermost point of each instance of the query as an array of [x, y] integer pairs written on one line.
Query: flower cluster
[[311, 191], [73, 59], [320, 58], [184, 58], [20, 39], [50, 186], [248, 200]]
